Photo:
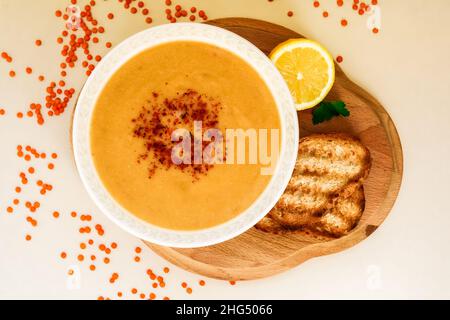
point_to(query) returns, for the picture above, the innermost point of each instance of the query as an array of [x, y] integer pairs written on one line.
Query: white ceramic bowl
[[187, 32]]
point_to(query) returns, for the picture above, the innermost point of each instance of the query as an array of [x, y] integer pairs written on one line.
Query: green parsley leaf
[[328, 110]]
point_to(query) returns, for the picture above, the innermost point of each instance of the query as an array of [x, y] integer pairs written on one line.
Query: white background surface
[[406, 67]]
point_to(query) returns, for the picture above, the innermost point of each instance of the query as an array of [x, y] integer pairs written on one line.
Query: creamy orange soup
[[170, 76]]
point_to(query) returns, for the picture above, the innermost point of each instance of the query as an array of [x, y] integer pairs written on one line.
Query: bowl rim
[[199, 33]]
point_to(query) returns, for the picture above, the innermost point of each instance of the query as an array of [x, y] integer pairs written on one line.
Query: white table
[[406, 66]]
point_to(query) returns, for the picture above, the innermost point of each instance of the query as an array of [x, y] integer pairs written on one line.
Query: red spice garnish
[[161, 116]]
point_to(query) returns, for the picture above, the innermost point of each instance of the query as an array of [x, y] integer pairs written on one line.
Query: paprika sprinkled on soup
[[160, 90]]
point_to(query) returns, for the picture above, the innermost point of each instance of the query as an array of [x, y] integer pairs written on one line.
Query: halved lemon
[[307, 68]]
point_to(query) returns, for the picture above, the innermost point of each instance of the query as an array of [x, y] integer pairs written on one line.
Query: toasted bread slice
[[328, 166], [325, 194], [342, 215]]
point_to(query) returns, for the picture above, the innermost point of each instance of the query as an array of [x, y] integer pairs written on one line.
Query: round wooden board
[[256, 254]]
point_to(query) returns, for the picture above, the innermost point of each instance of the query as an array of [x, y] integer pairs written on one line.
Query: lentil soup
[[162, 88]]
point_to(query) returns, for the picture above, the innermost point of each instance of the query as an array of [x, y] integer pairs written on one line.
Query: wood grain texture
[[256, 254]]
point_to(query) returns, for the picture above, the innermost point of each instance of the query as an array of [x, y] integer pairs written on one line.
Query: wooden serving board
[[256, 254]]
